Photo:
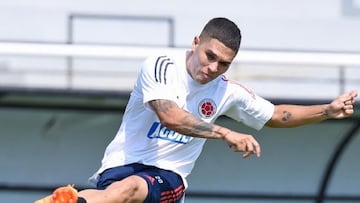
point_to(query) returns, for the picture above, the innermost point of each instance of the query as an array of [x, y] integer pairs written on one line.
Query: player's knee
[[131, 189]]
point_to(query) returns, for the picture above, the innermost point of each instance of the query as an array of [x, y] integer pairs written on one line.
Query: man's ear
[[195, 43]]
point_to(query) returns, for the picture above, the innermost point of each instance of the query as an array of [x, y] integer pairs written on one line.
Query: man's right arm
[[179, 120]]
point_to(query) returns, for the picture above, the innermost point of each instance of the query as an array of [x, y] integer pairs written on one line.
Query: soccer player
[[171, 113]]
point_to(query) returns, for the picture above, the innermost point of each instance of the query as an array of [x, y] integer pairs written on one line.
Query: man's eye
[[210, 57], [225, 64]]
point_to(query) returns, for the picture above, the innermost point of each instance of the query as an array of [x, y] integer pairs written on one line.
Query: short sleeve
[[249, 108], [158, 78]]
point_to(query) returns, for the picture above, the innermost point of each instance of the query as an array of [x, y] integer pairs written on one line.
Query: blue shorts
[[163, 185]]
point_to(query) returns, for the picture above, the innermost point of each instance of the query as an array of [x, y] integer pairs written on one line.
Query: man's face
[[210, 58]]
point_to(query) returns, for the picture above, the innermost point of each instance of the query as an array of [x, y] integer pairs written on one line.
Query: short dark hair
[[223, 30]]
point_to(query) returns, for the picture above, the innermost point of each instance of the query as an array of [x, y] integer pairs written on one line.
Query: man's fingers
[[244, 143], [257, 149], [349, 102], [348, 106], [247, 154], [252, 147]]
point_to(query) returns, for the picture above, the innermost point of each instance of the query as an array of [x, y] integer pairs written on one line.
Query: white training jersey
[[141, 138]]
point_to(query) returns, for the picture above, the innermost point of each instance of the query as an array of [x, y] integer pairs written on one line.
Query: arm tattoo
[[197, 126], [286, 116]]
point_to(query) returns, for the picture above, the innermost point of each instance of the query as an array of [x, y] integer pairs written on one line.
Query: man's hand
[[342, 106], [243, 143]]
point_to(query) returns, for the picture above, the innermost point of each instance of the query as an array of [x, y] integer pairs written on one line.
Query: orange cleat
[[65, 194]]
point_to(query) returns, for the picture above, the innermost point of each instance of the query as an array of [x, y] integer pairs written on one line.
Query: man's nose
[[213, 66]]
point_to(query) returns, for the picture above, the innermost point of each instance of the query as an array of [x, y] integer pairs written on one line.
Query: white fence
[[307, 75]]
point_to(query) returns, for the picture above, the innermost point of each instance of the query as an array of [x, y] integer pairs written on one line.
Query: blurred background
[[67, 69]]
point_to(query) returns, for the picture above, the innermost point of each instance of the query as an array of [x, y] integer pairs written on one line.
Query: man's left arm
[[286, 116]]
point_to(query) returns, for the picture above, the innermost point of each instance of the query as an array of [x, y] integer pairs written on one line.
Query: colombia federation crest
[[207, 108]]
